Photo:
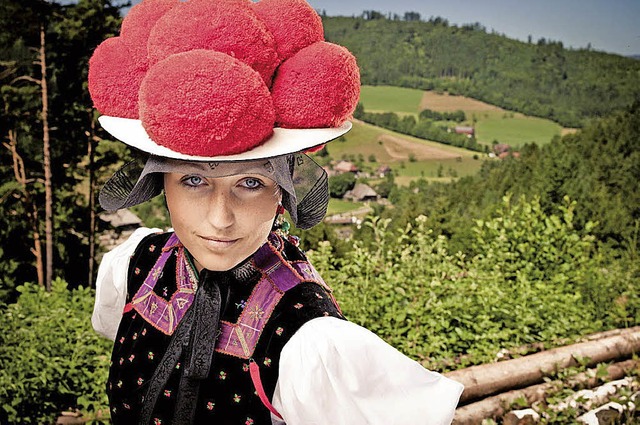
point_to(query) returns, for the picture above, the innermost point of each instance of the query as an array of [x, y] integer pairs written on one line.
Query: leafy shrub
[[50, 357], [536, 279]]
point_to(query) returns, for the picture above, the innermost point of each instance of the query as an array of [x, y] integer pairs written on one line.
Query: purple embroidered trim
[[162, 314], [237, 339], [278, 276]]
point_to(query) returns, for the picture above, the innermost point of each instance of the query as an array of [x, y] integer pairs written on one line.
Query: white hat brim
[[283, 141]]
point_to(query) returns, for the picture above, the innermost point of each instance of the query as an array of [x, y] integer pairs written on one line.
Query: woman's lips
[[218, 243]]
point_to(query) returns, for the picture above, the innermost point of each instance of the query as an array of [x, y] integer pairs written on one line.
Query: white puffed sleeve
[[335, 372], [111, 284]]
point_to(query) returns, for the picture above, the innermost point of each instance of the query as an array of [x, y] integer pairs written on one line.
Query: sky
[[607, 25]]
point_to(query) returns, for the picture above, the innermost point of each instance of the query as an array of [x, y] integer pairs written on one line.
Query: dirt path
[[400, 149], [446, 103]]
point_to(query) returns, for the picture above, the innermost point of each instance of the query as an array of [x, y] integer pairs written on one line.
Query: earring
[[281, 225]]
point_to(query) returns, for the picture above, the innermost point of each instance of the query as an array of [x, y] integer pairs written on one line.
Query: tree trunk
[[496, 406], [92, 198], [28, 202], [484, 380], [48, 211]]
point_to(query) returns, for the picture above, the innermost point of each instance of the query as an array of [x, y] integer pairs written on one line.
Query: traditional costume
[[208, 85]]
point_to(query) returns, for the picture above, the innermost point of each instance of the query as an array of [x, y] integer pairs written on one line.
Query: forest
[[543, 248], [538, 77]]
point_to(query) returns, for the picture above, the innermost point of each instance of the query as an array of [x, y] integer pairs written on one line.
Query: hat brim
[[283, 141]]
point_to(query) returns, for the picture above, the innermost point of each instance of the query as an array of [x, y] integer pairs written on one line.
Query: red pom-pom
[[318, 87], [190, 109], [114, 79], [230, 27], [137, 25], [293, 23]]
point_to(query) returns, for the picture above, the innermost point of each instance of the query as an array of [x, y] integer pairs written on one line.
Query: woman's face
[[221, 220]]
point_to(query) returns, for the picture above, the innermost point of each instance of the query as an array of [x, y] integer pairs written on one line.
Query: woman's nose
[[221, 212]]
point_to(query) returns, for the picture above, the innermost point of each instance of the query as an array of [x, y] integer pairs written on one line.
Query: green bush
[[536, 279], [51, 359]]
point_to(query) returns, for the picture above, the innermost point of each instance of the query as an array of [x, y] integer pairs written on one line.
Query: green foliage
[[50, 357], [544, 79], [72, 31], [536, 278], [425, 128], [340, 184]]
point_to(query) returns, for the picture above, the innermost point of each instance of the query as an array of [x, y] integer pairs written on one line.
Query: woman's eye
[[252, 183], [192, 181]]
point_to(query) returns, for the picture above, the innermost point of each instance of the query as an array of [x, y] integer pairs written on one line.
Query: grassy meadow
[[491, 122], [409, 157]]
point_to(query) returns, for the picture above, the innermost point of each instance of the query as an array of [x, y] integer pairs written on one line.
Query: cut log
[[488, 379], [498, 405]]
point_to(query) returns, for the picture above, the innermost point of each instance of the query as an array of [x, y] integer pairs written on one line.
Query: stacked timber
[[491, 389]]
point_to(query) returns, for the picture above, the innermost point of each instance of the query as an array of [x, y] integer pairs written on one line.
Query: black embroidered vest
[[227, 395]]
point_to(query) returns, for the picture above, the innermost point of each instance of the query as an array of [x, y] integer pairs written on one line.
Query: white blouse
[[331, 371]]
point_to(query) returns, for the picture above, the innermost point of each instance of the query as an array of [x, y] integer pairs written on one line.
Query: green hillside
[[409, 157], [491, 123], [539, 78]]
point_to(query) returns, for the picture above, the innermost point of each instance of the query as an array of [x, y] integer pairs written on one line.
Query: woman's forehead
[[261, 167]]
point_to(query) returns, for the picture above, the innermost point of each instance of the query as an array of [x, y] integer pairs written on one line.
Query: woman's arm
[[111, 284], [333, 371]]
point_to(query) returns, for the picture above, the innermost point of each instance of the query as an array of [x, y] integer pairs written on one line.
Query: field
[[491, 122], [409, 157]]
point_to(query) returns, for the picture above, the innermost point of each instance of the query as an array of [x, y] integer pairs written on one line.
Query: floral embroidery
[[298, 306], [150, 355], [167, 393], [245, 367], [256, 313], [249, 421], [222, 375], [210, 405], [157, 273], [237, 398], [140, 381], [267, 361], [279, 331]]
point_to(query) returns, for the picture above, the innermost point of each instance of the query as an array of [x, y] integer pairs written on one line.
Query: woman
[[224, 319]]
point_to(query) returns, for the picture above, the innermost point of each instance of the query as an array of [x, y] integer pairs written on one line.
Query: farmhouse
[[469, 131], [500, 148], [360, 193], [345, 167], [383, 171]]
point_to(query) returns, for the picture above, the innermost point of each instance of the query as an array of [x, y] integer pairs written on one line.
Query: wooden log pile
[[491, 389]]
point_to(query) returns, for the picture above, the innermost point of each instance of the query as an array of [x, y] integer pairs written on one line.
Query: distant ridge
[[540, 77]]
